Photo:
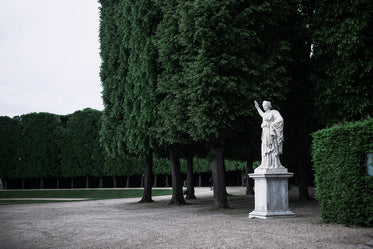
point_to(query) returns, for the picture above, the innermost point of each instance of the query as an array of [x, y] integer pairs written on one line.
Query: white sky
[[49, 56]]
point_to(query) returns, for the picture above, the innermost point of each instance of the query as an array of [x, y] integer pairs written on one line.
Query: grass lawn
[[79, 193]]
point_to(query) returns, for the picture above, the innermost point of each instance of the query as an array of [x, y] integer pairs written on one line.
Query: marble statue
[[272, 136]]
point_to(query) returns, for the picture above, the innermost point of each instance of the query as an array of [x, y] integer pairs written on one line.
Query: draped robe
[[272, 138]]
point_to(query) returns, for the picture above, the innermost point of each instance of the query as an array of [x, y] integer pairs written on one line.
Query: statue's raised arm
[[258, 108]]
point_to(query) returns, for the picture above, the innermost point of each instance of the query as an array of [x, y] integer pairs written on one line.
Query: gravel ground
[[124, 223]]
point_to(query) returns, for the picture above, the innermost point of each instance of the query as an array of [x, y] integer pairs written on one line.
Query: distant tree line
[[180, 76], [58, 148]]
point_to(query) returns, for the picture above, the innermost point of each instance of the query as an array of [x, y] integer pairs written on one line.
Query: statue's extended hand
[[256, 104]]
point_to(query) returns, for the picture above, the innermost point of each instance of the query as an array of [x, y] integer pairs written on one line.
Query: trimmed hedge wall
[[344, 189]]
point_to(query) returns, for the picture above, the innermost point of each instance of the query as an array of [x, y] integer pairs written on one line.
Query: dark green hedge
[[344, 189]]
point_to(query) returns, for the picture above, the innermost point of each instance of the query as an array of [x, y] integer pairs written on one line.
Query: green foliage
[[342, 59], [48, 145], [161, 166], [140, 83], [256, 164], [83, 154], [39, 151], [9, 152], [128, 75], [114, 56], [201, 165], [234, 165], [344, 189], [125, 165], [216, 58], [233, 51], [173, 122]]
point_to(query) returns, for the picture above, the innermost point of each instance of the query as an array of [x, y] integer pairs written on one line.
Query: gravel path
[[124, 223]]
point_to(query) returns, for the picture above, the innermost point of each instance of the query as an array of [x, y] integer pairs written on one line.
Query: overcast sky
[[49, 56]]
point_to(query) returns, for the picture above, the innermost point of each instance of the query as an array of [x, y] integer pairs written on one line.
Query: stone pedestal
[[271, 193]]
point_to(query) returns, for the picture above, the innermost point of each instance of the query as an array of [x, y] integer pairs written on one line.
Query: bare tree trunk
[[5, 183], [190, 183], [155, 180], [127, 181], [200, 180], [23, 183], [58, 182], [72, 182], [147, 196], [250, 181], [218, 176], [243, 178], [41, 183], [167, 181], [177, 183], [114, 181], [86, 181]]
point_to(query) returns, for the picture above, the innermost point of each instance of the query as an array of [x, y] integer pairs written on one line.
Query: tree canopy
[[342, 60]]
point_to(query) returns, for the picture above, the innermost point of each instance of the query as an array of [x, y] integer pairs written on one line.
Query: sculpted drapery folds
[[272, 136]]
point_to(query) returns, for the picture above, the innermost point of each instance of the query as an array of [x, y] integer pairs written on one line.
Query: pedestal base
[[267, 214], [271, 193]]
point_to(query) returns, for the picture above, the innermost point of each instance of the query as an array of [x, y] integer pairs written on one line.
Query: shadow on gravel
[[240, 205]]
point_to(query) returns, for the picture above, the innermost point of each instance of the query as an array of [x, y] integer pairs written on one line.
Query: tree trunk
[[101, 183], [142, 182], [72, 182], [23, 183], [250, 181], [302, 180], [128, 182], [167, 181], [87, 182], [190, 182], [177, 183], [1, 184], [114, 182], [218, 176], [147, 196], [5, 183], [243, 179], [155, 181], [58, 182], [200, 180], [41, 183]]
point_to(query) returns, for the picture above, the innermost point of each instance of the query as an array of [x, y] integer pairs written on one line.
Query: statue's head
[[267, 105]]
